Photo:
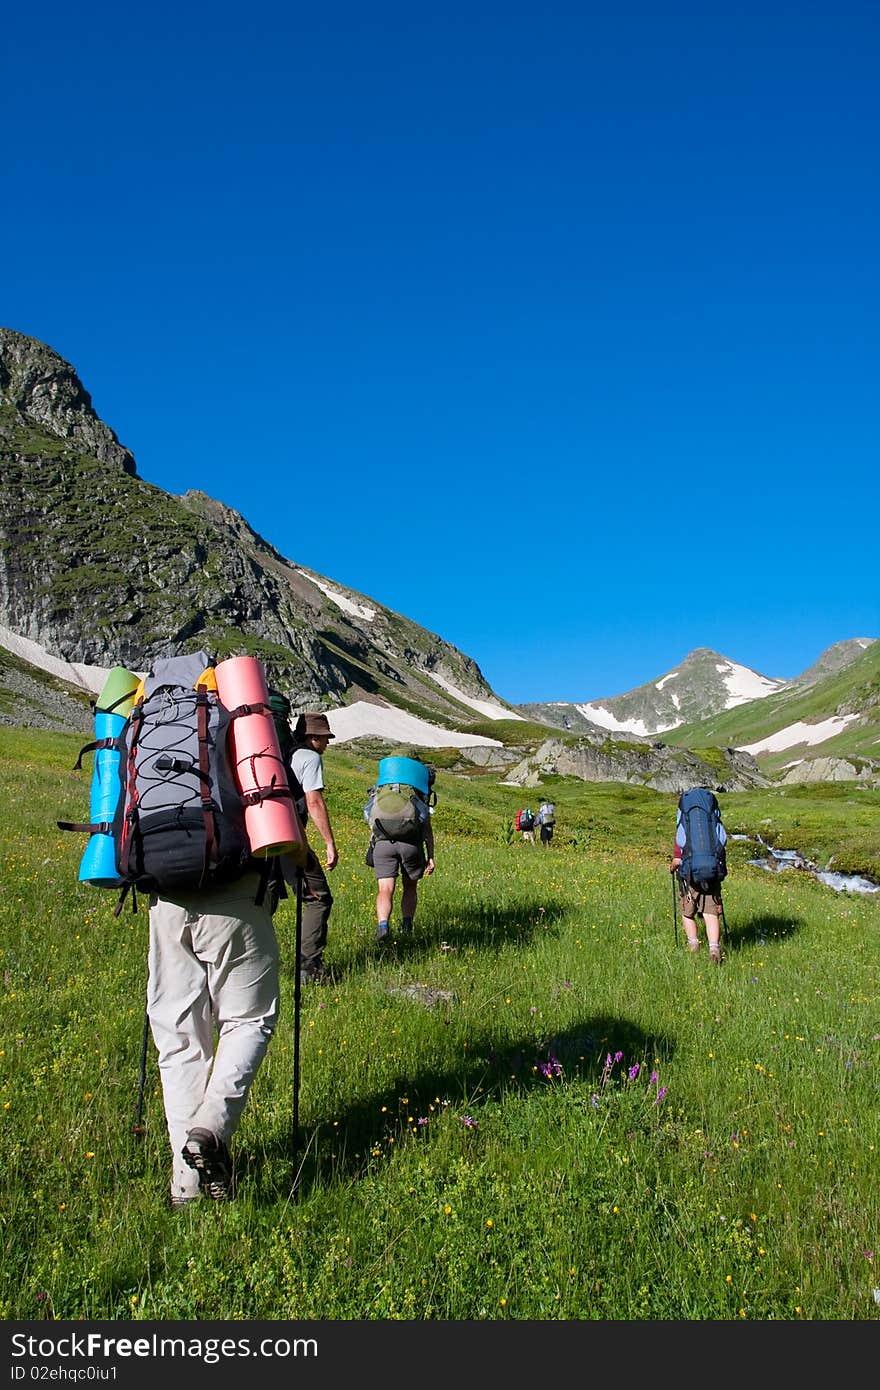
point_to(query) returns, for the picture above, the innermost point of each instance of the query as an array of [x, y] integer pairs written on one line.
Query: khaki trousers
[[213, 967]]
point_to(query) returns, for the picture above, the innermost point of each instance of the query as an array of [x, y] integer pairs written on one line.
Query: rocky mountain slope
[[101, 567], [825, 728], [833, 659]]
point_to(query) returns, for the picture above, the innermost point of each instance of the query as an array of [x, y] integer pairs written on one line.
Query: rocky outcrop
[[31, 699], [863, 770], [654, 765], [44, 390]]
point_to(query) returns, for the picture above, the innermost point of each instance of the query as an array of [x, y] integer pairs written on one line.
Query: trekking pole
[[674, 908], [724, 930], [142, 1084], [296, 1004]]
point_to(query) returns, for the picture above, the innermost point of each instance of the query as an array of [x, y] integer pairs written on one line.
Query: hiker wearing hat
[[311, 735]]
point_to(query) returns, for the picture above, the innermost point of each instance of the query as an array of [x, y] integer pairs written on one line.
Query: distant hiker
[[546, 821], [311, 735], [398, 812], [699, 859], [525, 823]]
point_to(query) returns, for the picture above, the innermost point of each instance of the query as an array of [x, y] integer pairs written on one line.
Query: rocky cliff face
[[101, 567], [43, 390], [649, 765]]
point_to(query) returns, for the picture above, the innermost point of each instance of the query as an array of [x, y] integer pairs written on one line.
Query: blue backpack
[[703, 857]]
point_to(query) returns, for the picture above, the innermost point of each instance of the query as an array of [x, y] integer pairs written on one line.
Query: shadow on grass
[[760, 931], [471, 925], [340, 1145]]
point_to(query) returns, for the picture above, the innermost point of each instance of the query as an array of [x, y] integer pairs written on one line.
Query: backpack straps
[[130, 817], [205, 778], [270, 793], [104, 827], [92, 747], [127, 888]]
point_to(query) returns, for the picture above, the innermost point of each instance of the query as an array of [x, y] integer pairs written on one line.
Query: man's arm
[[318, 814], [428, 840]]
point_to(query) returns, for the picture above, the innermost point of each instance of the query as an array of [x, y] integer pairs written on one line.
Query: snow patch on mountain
[[658, 685], [487, 707], [606, 720], [799, 733], [363, 719], [744, 684], [89, 678], [348, 605]]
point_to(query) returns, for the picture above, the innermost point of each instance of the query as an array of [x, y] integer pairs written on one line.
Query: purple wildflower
[[634, 1071], [653, 1077], [468, 1121], [552, 1067], [660, 1094], [594, 1101]]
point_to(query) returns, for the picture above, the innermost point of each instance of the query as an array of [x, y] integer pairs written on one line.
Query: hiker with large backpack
[[525, 824], [546, 821], [180, 833], [699, 858], [398, 811]]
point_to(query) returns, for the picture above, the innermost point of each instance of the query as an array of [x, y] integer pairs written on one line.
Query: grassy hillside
[[856, 689], [587, 1123]]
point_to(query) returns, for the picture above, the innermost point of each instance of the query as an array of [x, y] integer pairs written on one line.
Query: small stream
[[778, 859]]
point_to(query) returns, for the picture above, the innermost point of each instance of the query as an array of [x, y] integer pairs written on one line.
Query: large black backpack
[[703, 857], [179, 820]]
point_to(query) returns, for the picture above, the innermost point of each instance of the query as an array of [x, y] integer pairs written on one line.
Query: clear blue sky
[[552, 326]]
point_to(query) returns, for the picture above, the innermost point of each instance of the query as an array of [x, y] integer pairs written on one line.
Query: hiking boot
[[210, 1158], [692, 945], [314, 975], [178, 1200], [406, 926], [715, 954]]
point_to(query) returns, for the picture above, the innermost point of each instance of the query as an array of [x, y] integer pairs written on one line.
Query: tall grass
[[537, 1107]]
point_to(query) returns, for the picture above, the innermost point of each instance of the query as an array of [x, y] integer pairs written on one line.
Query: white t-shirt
[[308, 767]]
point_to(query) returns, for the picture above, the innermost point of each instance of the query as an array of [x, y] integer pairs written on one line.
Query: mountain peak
[[45, 391]]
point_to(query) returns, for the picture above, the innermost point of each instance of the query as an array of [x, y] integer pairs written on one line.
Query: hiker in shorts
[[701, 899], [412, 862], [311, 735], [527, 826]]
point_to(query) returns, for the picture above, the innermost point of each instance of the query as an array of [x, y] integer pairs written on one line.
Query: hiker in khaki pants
[[213, 962]]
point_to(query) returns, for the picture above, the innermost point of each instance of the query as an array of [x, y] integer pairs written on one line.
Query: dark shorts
[[392, 856], [696, 902]]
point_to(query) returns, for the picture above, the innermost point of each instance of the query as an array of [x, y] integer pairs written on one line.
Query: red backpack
[[518, 814]]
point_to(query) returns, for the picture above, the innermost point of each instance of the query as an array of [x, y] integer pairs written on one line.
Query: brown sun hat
[[310, 725]]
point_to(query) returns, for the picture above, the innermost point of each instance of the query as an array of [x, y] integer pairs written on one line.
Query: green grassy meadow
[[538, 1107]]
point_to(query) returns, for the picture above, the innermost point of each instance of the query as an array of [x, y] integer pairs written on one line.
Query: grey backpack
[[179, 822]]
